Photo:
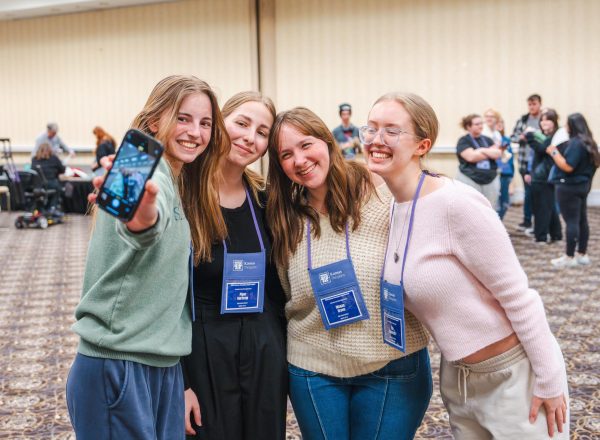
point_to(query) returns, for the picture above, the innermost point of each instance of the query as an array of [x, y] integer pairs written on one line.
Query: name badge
[[243, 283], [392, 315], [244, 295], [483, 165], [338, 295], [341, 307]]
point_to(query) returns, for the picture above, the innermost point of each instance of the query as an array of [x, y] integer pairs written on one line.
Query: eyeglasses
[[389, 136]]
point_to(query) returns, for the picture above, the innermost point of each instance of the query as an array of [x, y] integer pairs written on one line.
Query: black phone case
[[151, 142]]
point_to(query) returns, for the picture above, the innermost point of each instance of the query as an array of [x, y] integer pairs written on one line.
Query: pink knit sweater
[[463, 281]]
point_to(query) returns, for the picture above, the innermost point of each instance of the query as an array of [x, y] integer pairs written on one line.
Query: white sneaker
[[529, 232], [582, 259], [564, 261]]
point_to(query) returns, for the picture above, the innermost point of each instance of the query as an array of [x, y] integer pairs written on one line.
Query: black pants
[[238, 370], [545, 215], [572, 200]]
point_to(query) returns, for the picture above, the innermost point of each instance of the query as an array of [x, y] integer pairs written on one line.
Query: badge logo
[[238, 265], [324, 278]]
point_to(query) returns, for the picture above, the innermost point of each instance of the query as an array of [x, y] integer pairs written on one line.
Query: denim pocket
[[116, 378], [301, 372], [404, 368]]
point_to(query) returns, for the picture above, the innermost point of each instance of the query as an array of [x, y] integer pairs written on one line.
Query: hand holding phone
[[125, 191], [146, 215]]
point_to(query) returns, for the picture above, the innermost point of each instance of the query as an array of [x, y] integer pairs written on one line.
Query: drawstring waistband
[[496, 363], [463, 371]]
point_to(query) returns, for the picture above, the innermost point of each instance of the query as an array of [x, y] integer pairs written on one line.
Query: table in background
[[75, 192]]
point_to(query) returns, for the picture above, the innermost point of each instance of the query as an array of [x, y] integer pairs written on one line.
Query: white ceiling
[[18, 9]]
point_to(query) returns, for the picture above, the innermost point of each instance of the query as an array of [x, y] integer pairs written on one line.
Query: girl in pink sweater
[[452, 261]]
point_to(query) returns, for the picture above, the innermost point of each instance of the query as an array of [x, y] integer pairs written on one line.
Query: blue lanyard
[[262, 246], [309, 247], [410, 227], [477, 144]]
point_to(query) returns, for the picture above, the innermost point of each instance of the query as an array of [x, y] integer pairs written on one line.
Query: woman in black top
[[575, 169], [105, 146], [237, 372], [49, 165], [545, 214], [477, 156]]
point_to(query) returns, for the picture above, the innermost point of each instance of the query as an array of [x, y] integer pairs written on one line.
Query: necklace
[[399, 240]]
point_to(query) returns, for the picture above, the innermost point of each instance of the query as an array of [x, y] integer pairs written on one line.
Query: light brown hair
[[423, 118], [254, 180], [44, 151], [467, 121], [349, 187], [198, 181]]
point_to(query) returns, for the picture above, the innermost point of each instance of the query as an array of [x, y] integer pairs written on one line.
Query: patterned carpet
[[40, 279]]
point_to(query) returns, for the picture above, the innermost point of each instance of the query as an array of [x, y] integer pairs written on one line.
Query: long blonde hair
[[197, 182], [254, 180], [349, 186]]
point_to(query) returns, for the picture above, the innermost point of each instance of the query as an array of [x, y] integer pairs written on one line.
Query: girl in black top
[[543, 202], [573, 178], [105, 146], [477, 156], [237, 372]]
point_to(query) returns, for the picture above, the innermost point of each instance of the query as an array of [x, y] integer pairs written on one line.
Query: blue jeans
[[387, 404], [504, 199]]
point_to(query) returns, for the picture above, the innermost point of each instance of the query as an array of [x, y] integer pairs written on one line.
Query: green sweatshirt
[[134, 302]]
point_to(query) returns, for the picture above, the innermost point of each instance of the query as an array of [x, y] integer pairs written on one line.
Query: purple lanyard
[[308, 244], [410, 226], [477, 144], [262, 246]]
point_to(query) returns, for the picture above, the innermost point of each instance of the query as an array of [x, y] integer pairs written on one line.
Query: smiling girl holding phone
[[134, 319]]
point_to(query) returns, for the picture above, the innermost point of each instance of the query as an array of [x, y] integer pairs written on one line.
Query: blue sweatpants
[[120, 400]]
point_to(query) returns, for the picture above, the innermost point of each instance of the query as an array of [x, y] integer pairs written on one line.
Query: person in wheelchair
[[49, 167]]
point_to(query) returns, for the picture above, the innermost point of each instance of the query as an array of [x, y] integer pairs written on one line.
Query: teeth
[[191, 145], [378, 155], [307, 170]]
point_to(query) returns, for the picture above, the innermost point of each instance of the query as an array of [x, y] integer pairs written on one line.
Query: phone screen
[[133, 166]]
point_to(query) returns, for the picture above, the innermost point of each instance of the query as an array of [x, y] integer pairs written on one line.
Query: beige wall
[[463, 56], [98, 68]]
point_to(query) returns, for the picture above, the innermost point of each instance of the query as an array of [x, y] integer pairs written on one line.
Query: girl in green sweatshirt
[[134, 318]]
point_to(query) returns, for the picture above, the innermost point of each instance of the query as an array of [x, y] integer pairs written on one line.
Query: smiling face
[[248, 127], [303, 158], [547, 125], [388, 161], [192, 130]]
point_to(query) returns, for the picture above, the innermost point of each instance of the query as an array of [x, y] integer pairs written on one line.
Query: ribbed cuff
[[152, 360]]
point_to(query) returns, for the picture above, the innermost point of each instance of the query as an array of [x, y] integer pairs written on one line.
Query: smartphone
[[125, 182]]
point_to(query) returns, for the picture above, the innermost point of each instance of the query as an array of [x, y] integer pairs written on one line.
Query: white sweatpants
[[490, 191], [492, 399]]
